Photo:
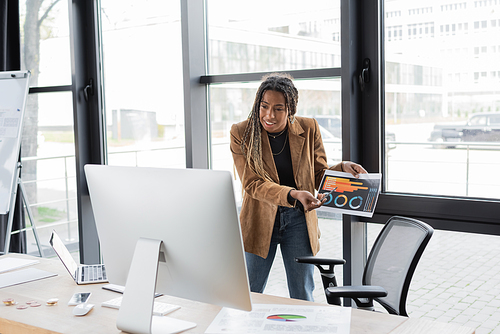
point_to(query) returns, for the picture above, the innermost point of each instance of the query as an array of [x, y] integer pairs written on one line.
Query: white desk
[[59, 318]]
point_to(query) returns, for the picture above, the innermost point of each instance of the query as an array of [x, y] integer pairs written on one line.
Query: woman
[[280, 160]]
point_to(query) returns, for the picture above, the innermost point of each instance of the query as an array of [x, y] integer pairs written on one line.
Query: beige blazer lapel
[[297, 142]]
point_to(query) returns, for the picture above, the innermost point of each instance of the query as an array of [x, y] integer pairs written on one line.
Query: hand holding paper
[[353, 168]]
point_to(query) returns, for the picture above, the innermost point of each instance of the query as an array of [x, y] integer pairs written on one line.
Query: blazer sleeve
[[253, 185]]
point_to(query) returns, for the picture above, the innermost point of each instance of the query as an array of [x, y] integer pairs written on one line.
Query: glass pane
[[48, 173], [442, 97], [45, 42], [231, 103], [254, 36], [47, 149], [142, 51]]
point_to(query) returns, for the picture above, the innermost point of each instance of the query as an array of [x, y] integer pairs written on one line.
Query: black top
[[280, 147]]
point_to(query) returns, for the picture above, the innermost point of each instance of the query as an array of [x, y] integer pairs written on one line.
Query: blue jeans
[[290, 232]]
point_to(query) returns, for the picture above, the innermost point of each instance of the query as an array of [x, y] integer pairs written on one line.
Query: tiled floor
[[457, 279]]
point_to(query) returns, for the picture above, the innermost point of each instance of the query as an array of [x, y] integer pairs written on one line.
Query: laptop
[[81, 273]]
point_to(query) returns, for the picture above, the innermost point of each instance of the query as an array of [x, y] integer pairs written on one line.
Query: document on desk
[[11, 263], [23, 276], [281, 318], [350, 195]]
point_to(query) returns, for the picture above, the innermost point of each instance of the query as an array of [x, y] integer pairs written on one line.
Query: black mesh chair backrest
[[393, 259]]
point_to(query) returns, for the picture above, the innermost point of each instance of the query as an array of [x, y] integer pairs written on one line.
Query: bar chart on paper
[[350, 195]]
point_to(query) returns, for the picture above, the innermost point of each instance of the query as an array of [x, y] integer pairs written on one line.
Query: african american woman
[[280, 160]]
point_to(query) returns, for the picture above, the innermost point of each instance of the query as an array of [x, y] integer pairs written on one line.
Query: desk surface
[[59, 318]]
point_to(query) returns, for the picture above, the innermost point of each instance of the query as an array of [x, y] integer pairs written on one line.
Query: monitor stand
[[136, 309]]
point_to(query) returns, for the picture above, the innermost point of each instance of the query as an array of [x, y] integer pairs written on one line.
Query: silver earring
[[291, 118]]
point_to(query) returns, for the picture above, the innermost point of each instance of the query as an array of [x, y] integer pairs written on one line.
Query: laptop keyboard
[[93, 273]]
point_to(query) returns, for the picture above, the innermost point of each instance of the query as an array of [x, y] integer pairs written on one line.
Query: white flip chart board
[[14, 87]]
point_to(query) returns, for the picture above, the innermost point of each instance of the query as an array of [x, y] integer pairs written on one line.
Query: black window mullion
[[50, 89], [88, 120], [257, 76]]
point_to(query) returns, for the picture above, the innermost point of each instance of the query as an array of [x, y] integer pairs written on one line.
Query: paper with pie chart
[[352, 196], [281, 318]]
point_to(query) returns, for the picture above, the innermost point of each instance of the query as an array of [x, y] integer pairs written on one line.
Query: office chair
[[388, 270]]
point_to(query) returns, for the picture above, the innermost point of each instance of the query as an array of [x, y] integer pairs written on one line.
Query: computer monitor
[[192, 211]]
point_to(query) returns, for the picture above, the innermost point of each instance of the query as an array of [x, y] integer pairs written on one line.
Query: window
[[425, 107], [494, 120], [48, 151], [143, 83], [478, 120]]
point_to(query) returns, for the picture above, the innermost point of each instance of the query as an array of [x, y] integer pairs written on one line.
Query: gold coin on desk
[[8, 301]]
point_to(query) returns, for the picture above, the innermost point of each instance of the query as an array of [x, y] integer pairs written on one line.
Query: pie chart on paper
[[286, 317]]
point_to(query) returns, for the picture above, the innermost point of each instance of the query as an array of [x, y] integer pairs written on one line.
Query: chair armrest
[[326, 267], [319, 260], [360, 291], [362, 295]]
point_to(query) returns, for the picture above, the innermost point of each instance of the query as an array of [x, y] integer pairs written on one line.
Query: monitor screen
[[194, 213]]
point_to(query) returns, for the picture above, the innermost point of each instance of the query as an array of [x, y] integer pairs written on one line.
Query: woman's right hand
[[309, 202]]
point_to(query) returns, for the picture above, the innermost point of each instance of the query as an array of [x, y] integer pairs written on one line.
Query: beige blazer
[[261, 198]]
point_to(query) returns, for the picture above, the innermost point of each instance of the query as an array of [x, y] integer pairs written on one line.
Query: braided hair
[[251, 144]]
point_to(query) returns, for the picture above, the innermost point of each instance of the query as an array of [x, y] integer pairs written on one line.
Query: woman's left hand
[[353, 168]]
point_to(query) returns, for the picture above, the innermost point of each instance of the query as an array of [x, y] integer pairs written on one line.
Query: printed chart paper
[[352, 196], [278, 318]]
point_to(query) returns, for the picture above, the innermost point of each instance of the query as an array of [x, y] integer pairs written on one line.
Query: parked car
[[447, 132], [333, 124], [483, 127]]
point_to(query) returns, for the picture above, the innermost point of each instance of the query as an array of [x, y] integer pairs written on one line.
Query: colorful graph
[[342, 184], [349, 194], [286, 317]]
